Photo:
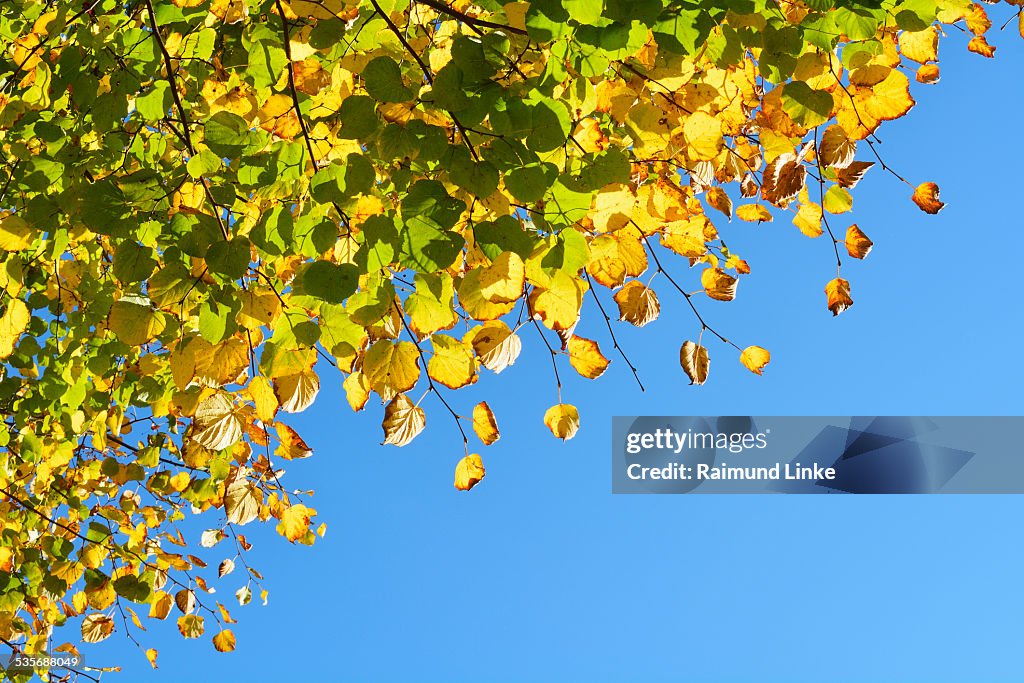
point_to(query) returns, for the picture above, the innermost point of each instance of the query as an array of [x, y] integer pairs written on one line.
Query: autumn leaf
[[469, 472], [586, 358], [403, 421], [563, 420], [718, 284], [294, 523], [224, 641], [97, 628], [695, 362], [838, 293], [151, 657], [857, 243], [484, 424], [926, 196], [754, 213], [754, 358], [638, 304]]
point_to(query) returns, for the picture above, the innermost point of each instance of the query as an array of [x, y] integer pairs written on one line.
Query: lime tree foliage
[[205, 204]]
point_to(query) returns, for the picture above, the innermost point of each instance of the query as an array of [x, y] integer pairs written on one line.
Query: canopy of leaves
[[206, 203]]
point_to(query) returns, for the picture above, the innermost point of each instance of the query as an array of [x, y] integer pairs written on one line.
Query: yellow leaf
[[754, 358], [838, 293], [920, 46], [703, 135], [161, 605], [452, 363], [15, 233], [929, 73], [292, 446], [296, 392], [97, 628], [224, 641], [718, 199], [979, 45], [926, 196], [503, 280], [558, 304], [718, 284], [151, 656], [484, 424], [648, 127], [13, 322], [294, 523], [563, 420], [262, 395], [190, 626], [857, 243], [403, 421], [687, 237], [586, 358], [469, 472], [808, 219], [216, 425], [695, 362], [891, 98], [754, 213], [391, 367], [472, 299], [357, 390], [495, 345], [638, 304], [241, 500]]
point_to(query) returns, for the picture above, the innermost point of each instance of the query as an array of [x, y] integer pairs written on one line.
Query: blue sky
[[540, 574]]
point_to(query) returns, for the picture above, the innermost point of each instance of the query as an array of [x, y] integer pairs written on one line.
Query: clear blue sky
[[540, 574]]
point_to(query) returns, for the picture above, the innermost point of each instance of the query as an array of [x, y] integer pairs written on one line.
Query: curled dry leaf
[[838, 293], [695, 362], [495, 345], [718, 284], [857, 243], [926, 196], [928, 74], [469, 472], [638, 304], [226, 567]]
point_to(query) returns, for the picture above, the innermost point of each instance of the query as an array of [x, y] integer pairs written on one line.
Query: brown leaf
[[695, 362]]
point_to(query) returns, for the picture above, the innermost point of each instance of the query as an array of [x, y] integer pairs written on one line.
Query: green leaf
[[326, 281], [203, 163], [383, 80], [229, 259], [529, 183], [479, 178], [806, 106], [226, 134], [358, 115], [154, 105], [339, 181], [133, 263]]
